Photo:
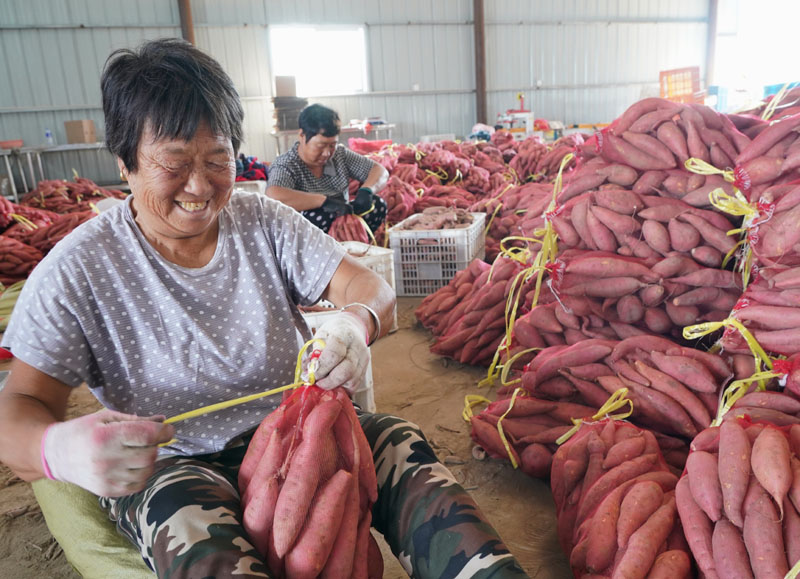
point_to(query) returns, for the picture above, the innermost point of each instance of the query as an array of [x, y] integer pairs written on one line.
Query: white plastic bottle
[[49, 139]]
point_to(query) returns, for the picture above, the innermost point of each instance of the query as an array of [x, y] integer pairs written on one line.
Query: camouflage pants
[[187, 522]]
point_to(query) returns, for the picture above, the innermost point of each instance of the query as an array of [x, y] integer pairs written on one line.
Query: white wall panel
[[593, 58]]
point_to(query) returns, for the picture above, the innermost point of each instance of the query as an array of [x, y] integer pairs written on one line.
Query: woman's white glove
[[344, 359], [108, 453]]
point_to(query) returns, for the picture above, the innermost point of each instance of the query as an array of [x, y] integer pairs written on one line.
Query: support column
[[480, 61], [187, 26]]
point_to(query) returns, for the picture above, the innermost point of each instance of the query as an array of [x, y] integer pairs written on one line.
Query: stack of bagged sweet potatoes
[[308, 484], [616, 505], [739, 500]]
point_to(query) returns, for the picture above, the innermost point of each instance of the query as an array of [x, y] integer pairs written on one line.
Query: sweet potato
[[308, 556], [259, 513], [674, 139], [687, 371], [734, 469], [674, 389], [602, 538], [762, 533], [707, 256], [656, 236], [794, 490], [611, 479], [771, 463], [641, 501], [664, 408], [616, 222], [791, 533], [604, 265], [601, 236], [730, 555], [258, 443], [536, 460], [644, 543], [623, 451], [673, 564], [703, 475], [697, 527]]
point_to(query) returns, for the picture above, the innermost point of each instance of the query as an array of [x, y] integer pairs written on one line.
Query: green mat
[[89, 539]]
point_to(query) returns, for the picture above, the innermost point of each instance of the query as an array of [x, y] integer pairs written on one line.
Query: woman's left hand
[[344, 358]]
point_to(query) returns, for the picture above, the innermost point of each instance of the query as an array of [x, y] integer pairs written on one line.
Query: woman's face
[[316, 151], [180, 187]]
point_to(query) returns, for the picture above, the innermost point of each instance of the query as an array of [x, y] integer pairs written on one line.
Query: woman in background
[[314, 175]]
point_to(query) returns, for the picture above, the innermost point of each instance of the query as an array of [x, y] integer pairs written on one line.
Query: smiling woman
[[179, 189], [186, 295]]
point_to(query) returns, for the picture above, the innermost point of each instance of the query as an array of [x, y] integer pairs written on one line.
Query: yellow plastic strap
[[503, 192], [700, 330], [793, 572], [615, 402], [458, 177], [368, 211], [737, 389], [509, 365], [491, 219], [366, 227], [772, 105], [24, 221], [249, 398], [506, 445], [736, 204], [512, 306], [471, 401], [700, 167], [549, 238], [439, 173]]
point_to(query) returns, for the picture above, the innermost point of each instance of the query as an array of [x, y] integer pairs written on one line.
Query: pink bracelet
[[45, 466]]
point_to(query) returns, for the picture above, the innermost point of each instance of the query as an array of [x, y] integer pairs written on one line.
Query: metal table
[[283, 137], [33, 160]]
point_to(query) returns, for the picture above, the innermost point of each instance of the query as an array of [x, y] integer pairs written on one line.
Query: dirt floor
[[410, 382]]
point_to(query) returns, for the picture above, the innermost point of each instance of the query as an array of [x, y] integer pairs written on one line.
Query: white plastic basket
[[378, 259], [426, 260], [364, 395]]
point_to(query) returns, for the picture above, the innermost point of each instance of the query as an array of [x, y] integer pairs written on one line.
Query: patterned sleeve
[[307, 256], [280, 175], [43, 331], [358, 166]]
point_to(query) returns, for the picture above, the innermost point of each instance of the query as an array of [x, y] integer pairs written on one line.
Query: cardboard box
[[82, 131], [285, 86]]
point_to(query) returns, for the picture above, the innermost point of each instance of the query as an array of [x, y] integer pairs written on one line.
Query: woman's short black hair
[[316, 119], [171, 85]]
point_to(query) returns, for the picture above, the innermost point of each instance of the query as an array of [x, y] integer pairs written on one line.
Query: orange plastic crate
[[681, 85]]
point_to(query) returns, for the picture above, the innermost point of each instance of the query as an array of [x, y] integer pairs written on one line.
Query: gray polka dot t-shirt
[[151, 337]]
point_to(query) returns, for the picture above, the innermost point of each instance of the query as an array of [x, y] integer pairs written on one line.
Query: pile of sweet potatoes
[[308, 484], [739, 500], [531, 427], [436, 218], [616, 506], [674, 389], [349, 228]]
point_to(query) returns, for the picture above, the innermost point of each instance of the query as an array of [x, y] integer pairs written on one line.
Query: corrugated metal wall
[[592, 59], [585, 61]]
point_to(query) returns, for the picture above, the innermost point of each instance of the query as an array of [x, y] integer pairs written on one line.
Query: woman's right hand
[[336, 207], [108, 453]]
